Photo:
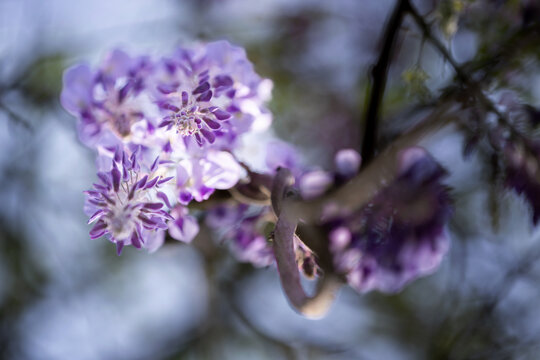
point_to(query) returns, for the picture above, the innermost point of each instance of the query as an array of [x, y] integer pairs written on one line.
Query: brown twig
[[378, 83]]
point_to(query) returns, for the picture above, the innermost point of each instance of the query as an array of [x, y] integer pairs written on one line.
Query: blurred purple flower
[[347, 162], [280, 154], [109, 100], [240, 226], [400, 235], [184, 227]]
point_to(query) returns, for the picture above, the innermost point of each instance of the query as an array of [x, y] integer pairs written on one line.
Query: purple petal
[[116, 178], [203, 88], [185, 197], [185, 98], [135, 241], [149, 222], [168, 106], [221, 114], [154, 165], [118, 155], [165, 214], [163, 181], [223, 81], [105, 179], [166, 89], [184, 228], [76, 93], [124, 91], [119, 247], [153, 206], [205, 96], [208, 135], [96, 216], [199, 140], [98, 230], [211, 123], [141, 182], [164, 197], [165, 123], [151, 183]]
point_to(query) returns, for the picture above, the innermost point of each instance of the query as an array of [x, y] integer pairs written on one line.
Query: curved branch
[[311, 306]]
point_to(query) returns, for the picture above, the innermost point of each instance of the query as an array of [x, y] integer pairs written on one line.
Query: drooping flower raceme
[[190, 109], [400, 234]]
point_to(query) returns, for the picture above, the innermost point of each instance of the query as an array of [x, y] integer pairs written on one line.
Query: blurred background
[[63, 296]]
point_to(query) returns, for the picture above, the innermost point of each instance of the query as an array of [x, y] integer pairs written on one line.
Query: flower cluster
[[170, 131], [166, 131], [400, 234]]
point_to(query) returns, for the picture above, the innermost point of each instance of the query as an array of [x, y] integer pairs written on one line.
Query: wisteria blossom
[[189, 109], [110, 100], [211, 94], [400, 234], [241, 228], [127, 206]]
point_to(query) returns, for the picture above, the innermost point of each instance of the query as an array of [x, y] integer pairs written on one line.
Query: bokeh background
[[63, 296]]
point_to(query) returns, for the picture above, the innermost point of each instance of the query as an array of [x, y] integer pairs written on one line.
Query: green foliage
[[415, 81], [42, 79]]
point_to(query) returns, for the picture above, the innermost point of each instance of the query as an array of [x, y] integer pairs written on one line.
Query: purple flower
[[76, 96], [315, 183], [184, 227], [127, 206], [210, 92], [400, 235], [198, 177], [241, 227], [280, 154], [347, 163], [109, 101]]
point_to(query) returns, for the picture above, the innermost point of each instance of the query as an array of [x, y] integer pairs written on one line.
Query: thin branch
[[462, 75], [16, 117], [378, 83], [427, 33]]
